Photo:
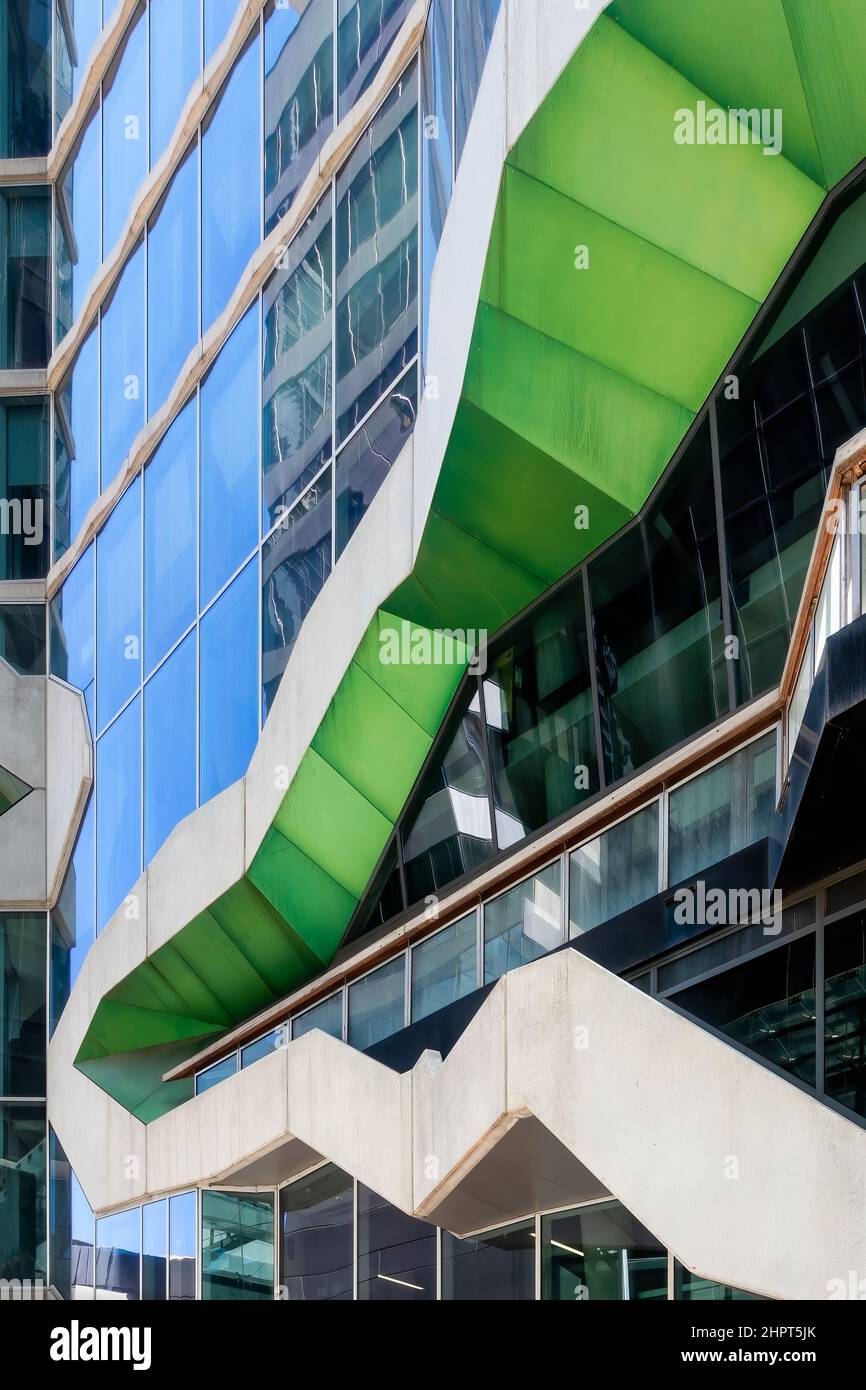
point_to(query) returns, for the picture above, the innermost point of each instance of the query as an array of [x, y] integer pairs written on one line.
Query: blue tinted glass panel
[[78, 234], [118, 606], [437, 136], [118, 812], [298, 367], [169, 746], [367, 459], [523, 924], [76, 445], [25, 490], [175, 62], [154, 1231], [376, 1005], [79, 24], [723, 810], [170, 539], [263, 1047], [327, 1017], [72, 630], [181, 1246], [615, 871], [218, 15], [445, 967], [475, 21], [231, 192], [123, 367], [230, 458], [73, 921], [367, 30], [229, 680], [220, 1071], [172, 283], [299, 97], [377, 257], [124, 130], [296, 561], [118, 1256]]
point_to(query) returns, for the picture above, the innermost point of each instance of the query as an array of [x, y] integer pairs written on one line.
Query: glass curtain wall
[[234, 519]]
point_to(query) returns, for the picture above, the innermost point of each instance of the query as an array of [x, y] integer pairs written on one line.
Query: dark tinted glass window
[[23, 1163], [22, 637], [25, 115], [498, 1266], [317, 1237], [25, 278], [796, 397], [601, 1253], [396, 1253], [657, 622], [22, 1003], [447, 830], [25, 502], [845, 1012], [767, 1005], [692, 1288], [540, 726]]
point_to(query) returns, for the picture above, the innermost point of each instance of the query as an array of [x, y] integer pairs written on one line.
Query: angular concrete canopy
[[561, 379]]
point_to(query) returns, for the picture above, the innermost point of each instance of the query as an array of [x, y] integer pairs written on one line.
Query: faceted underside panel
[[624, 268]]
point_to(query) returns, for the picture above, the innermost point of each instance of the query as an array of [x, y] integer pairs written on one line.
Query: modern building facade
[[431, 626]]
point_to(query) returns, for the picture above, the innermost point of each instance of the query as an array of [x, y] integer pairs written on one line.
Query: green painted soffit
[[580, 386]]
